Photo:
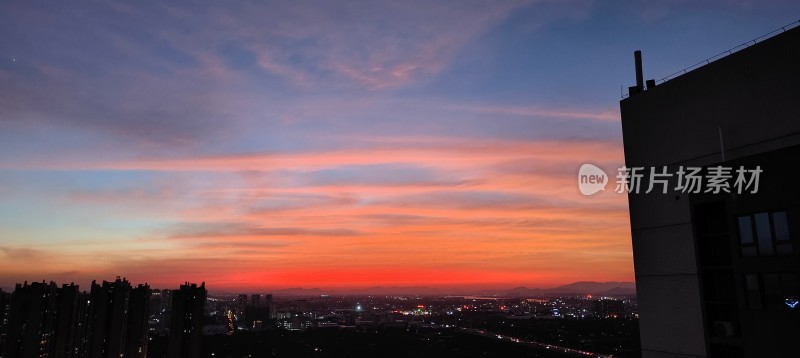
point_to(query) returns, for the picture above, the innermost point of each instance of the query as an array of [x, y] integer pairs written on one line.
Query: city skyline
[[322, 146]]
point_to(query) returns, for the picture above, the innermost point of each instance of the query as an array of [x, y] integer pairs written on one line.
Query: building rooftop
[[723, 54]]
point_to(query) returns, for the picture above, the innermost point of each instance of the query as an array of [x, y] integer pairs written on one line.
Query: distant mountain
[[397, 290], [619, 291], [583, 287], [591, 287], [523, 291], [376, 290], [298, 291]]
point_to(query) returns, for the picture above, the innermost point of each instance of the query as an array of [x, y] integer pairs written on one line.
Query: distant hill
[[394, 290], [582, 287], [619, 291], [523, 291], [591, 287], [298, 291]]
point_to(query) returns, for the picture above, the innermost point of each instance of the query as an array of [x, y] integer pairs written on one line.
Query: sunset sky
[[332, 144]]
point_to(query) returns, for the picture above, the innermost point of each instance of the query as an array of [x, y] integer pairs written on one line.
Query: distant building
[[256, 317], [241, 303], [608, 307], [160, 301], [72, 307], [117, 319], [301, 306], [186, 323], [269, 302], [31, 321], [137, 323], [255, 300], [717, 274], [160, 311], [108, 312], [44, 320], [166, 300], [5, 302]]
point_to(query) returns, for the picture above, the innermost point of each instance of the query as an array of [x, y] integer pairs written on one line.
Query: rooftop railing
[[724, 53]]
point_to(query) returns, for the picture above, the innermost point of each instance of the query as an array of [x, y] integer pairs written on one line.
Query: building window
[[770, 290], [753, 289], [782, 238], [746, 236], [764, 234]]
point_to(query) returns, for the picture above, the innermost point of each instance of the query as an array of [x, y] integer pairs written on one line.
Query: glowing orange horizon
[[481, 219]]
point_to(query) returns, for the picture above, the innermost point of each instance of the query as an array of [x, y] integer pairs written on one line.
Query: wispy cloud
[[292, 143]]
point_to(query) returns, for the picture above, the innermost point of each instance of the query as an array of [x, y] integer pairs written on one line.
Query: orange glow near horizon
[[412, 144], [481, 218], [258, 146]]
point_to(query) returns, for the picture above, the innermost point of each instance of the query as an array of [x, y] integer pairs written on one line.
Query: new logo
[[591, 179]]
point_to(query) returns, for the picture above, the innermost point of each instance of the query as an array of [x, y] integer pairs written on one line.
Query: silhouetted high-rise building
[[108, 313], [117, 320], [166, 300], [268, 301], [186, 323], [160, 310], [241, 303], [31, 321], [5, 302], [137, 327], [255, 300], [45, 320], [71, 308], [155, 302], [717, 268]]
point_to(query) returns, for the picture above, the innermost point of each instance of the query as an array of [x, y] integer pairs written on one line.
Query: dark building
[[270, 303], [71, 308], [5, 301], [31, 320], [255, 300], [160, 311], [45, 320], [241, 303], [108, 313], [256, 317], [166, 300], [717, 273], [137, 325], [257, 314], [608, 307], [159, 301], [186, 323], [116, 323]]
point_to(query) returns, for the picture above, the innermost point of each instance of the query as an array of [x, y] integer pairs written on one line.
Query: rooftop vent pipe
[[637, 55]]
